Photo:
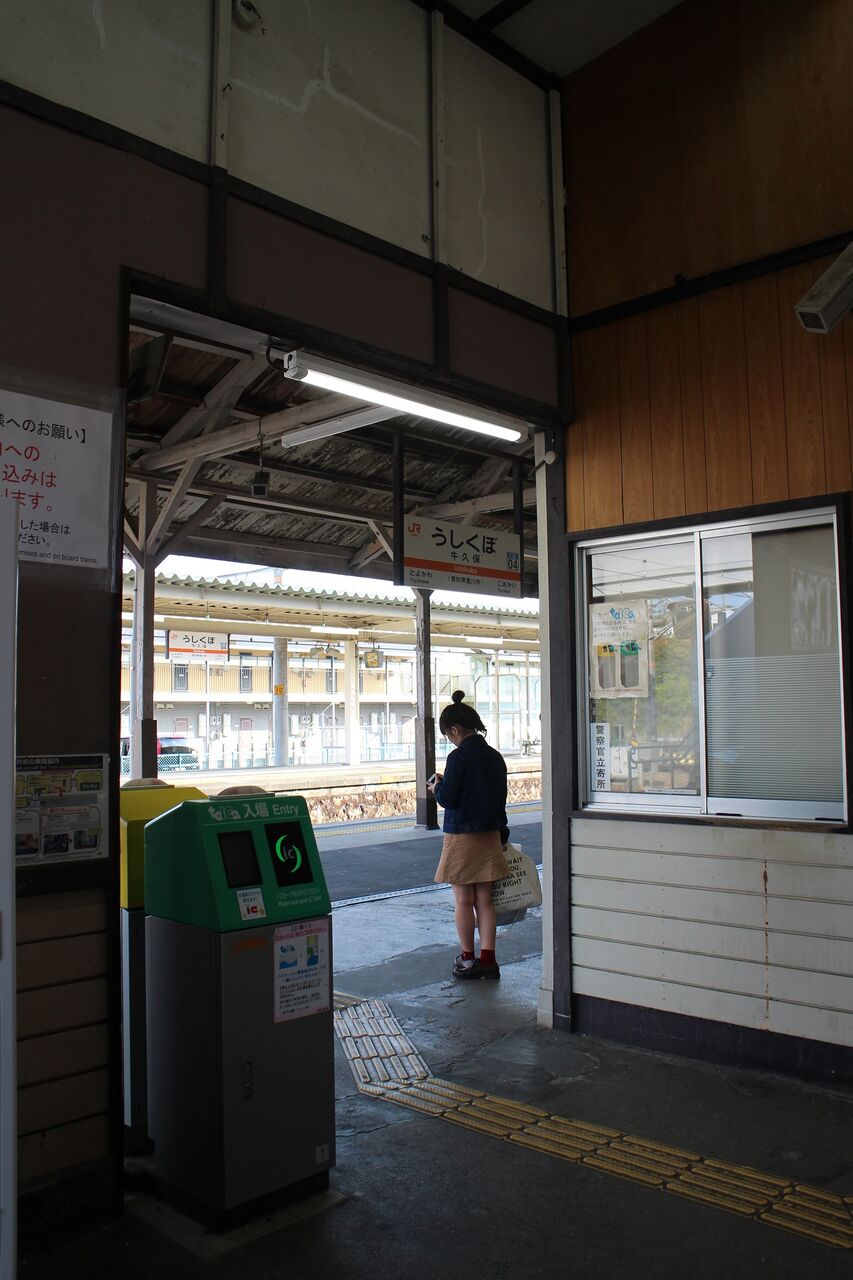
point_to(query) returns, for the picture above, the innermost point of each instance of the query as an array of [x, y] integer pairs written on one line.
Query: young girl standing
[[472, 792]]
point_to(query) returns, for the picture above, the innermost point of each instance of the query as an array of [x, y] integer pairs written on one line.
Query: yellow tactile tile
[[719, 1200], [623, 1170], [462, 1092], [753, 1175], [818, 1202], [549, 1144], [785, 1209], [479, 1123], [661, 1148], [700, 1181], [629, 1158], [522, 1109], [824, 1235], [386, 1065], [494, 1115]]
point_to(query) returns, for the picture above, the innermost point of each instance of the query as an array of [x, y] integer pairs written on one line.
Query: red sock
[[467, 955], [487, 957]]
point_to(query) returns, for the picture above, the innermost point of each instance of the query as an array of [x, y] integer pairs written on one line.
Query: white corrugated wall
[[751, 927]]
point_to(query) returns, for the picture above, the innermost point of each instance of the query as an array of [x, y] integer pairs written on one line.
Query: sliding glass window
[[734, 709]]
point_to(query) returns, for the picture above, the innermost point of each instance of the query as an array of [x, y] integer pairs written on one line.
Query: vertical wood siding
[[734, 925], [721, 401], [720, 133]]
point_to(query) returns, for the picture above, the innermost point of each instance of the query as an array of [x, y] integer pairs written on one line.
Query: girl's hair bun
[[457, 695]]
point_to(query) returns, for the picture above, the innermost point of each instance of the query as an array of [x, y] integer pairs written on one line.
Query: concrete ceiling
[[562, 35]]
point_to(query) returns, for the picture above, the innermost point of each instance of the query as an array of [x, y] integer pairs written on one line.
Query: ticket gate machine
[[239, 968], [139, 802]]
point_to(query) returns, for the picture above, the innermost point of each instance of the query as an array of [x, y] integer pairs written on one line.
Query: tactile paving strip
[[386, 1065]]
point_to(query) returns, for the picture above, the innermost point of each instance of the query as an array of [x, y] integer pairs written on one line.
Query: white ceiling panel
[[562, 35], [474, 8]]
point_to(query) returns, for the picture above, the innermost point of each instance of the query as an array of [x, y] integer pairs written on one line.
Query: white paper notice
[[55, 464], [301, 983]]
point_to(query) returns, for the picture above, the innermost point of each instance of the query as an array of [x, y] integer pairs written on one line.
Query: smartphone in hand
[[431, 779]]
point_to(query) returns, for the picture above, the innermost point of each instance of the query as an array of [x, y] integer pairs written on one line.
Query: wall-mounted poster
[[60, 809], [619, 650], [55, 466]]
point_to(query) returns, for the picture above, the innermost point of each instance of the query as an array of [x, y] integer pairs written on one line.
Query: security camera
[[829, 297]]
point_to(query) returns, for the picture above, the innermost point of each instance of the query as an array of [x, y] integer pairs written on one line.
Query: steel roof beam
[[243, 434]]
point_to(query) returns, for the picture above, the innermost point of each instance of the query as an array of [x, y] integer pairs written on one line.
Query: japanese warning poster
[[60, 808], [55, 464], [301, 957], [458, 557], [619, 650]]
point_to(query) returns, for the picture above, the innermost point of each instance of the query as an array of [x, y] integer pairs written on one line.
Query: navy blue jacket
[[473, 789]]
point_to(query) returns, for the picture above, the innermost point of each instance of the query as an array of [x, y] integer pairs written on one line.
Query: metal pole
[[143, 727], [8, 1008], [399, 508], [279, 700], [352, 729], [425, 805]]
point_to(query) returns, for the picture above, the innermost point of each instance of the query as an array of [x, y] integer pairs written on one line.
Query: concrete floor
[[420, 1198]]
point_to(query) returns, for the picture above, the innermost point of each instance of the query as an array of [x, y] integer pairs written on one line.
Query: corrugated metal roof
[[322, 495], [295, 594]]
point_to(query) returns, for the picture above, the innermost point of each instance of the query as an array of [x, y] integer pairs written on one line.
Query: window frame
[[703, 806]]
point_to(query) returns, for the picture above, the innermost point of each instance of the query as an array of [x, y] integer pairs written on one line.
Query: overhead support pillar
[[352, 728], [426, 809], [143, 726], [279, 700], [554, 1000]]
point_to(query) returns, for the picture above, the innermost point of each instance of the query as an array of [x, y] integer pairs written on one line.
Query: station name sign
[[456, 557], [181, 645]]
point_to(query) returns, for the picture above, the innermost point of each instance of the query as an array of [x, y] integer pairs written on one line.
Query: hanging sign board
[[60, 808], [457, 557], [182, 645], [55, 465], [619, 650]]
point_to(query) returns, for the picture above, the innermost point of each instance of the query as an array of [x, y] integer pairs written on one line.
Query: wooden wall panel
[[766, 397], [727, 447], [43, 1106], [719, 402], [720, 133], [633, 354], [50, 1150], [801, 379], [847, 326], [63, 1039], [834, 392], [716, 202], [575, 504], [602, 471], [60, 1008], [63, 1054], [666, 424], [692, 406]]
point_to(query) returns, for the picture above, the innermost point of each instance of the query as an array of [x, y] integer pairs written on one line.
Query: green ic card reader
[[234, 863]]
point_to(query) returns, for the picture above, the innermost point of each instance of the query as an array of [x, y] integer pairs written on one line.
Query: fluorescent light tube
[[318, 372]]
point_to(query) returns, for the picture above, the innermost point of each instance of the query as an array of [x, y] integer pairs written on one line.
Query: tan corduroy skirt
[[471, 858]]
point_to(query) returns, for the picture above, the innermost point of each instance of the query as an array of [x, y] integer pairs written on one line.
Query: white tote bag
[[517, 891]]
